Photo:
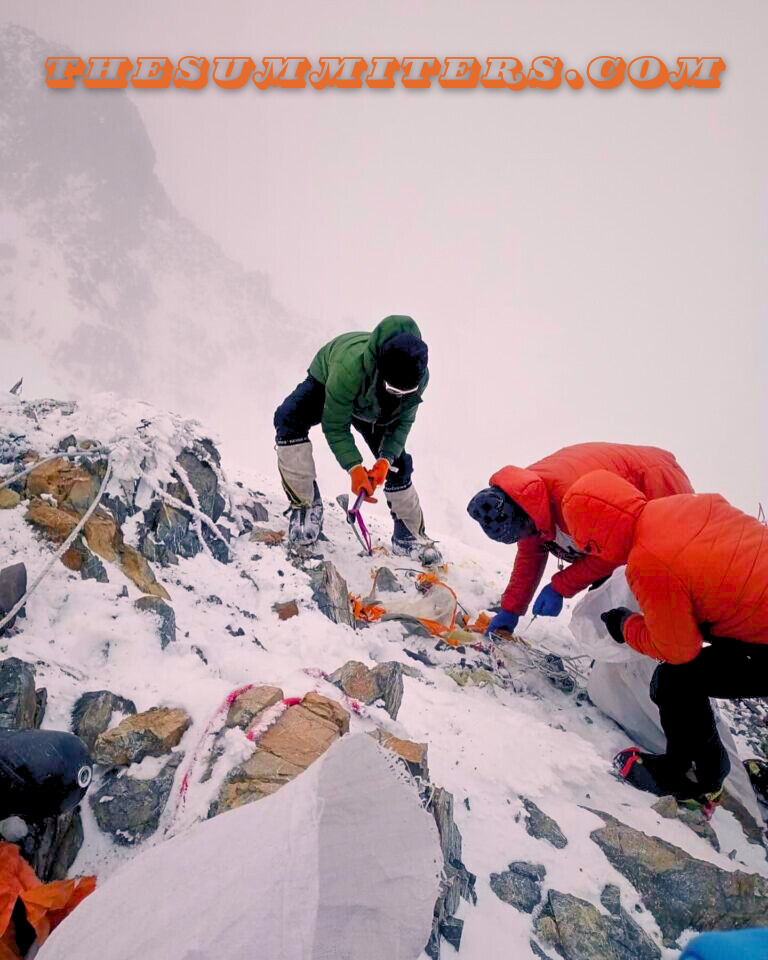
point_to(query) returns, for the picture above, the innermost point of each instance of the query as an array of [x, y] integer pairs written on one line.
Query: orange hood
[[528, 491], [601, 511]]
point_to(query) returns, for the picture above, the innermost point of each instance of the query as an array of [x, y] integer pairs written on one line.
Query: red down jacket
[[539, 490], [691, 560]]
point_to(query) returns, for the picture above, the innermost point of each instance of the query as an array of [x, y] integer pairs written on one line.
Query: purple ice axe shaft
[[355, 520]]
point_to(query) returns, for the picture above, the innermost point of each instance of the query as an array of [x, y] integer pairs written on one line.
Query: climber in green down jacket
[[373, 382]]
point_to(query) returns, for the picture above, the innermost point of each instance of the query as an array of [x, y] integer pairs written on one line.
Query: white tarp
[[339, 864], [619, 683]]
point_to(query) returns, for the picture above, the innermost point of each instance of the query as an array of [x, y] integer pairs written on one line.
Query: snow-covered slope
[[488, 745]]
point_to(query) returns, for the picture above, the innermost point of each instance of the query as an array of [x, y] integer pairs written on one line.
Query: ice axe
[[355, 519]]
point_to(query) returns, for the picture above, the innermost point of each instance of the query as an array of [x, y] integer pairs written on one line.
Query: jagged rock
[[148, 734], [136, 568], [18, 703], [258, 511], [330, 593], [578, 931], [167, 627], [611, 899], [93, 569], [66, 443], [383, 682], [542, 827], [752, 830], [41, 703], [413, 754], [204, 482], [679, 890], [666, 807], [286, 610], [250, 704], [92, 714], [297, 738], [13, 586], [65, 481], [9, 499], [457, 881], [519, 885], [696, 820], [51, 847], [130, 809], [385, 581], [451, 928], [537, 951]]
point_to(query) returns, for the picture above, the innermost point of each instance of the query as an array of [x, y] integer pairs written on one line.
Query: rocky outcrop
[[9, 499], [13, 585], [520, 885], [18, 702], [149, 734], [542, 827], [298, 737], [51, 847], [331, 594], [129, 808], [165, 616], [682, 892], [245, 709], [383, 682], [578, 931], [92, 714]]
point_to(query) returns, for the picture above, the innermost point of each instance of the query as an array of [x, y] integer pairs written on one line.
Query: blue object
[[734, 945], [503, 621], [549, 603]]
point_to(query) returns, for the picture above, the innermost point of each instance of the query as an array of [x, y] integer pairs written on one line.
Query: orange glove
[[379, 473], [362, 483]]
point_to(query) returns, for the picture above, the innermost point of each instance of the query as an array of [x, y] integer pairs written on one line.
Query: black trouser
[[303, 409], [726, 670]]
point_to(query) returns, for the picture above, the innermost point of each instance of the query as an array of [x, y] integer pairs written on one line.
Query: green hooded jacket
[[347, 367]]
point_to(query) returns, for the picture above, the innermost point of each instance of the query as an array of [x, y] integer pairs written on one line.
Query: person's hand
[[549, 603], [614, 622], [504, 620], [379, 473], [362, 483]]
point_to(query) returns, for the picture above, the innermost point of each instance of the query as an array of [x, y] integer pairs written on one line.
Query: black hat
[[402, 360], [499, 516]]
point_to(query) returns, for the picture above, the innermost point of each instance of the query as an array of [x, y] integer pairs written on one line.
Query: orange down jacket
[[539, 490], [691, 560]]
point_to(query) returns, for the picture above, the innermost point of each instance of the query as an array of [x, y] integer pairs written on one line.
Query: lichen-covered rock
[[297, 738], [251, 704], [330, 592], [18, 703], [579, 931], [129, 808], [681, 891], [519, 885], [543, 827], [92, 714], [9, 499], [149, 734], [165, 616]]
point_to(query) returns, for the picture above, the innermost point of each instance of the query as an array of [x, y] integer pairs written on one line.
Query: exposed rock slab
[[13, 585], [165, 615], [578, 931], [543, 827], [679, 890], [251, 704], [18, 703], [330, 592], [520, 885], [149, 734]]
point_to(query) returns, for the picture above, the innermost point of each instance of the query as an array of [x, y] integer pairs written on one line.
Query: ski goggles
[[397, 392]]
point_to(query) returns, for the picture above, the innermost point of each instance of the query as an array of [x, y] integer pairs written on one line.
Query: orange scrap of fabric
[[46, 904]]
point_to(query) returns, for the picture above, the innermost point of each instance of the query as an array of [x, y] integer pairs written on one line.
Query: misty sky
[[584, 265]]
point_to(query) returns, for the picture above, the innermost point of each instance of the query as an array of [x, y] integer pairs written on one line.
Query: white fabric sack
[[619, 683], [341, 863]]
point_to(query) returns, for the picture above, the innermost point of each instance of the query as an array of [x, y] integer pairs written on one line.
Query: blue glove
[[503, 621], [549, 603]]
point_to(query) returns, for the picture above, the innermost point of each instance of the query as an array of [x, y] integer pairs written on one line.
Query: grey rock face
[[92, 713], [51, 847], [611, 899], [13, 584], [679, 890], [130, 809], [519, 885], [578, 931], [167, 626], [18, 703], [389, 677], [383, 682], [542, 827], [330, 592]]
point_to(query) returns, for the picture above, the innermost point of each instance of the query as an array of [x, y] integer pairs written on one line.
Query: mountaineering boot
[[652, 773], [305, 523], [404, 544], [408, 537]]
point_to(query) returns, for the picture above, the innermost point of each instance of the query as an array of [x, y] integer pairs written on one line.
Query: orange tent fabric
[[691, 559], [539, 489], [46, 904]]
